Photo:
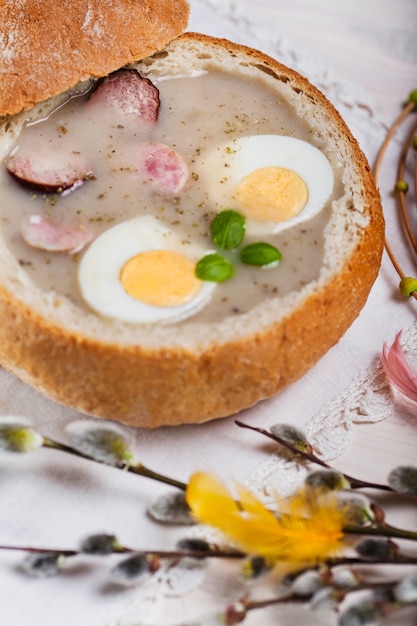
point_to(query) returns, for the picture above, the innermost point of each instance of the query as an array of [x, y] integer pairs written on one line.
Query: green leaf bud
[[260, 254], [408, 284], [412, 97], [401, 185], [214, 268], [228, 229]]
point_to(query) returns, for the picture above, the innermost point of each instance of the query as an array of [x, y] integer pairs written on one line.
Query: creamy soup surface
[[196, 115]]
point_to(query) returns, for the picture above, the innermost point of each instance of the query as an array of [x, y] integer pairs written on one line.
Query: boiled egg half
[[275, 181], [142, 272]]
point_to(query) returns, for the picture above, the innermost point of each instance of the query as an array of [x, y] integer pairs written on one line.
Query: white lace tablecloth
[[363, 55]]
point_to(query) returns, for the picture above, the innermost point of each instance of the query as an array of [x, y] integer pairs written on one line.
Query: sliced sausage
[[39, 232], [49, 171], [127, 93], [162, 166]]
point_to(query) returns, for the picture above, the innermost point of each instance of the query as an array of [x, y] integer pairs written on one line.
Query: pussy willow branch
[[215, 553], [381, 530], [261, 604], [139, 469], [342, 592], [355, 483], [411, 106], [163, 554], [402, 194]]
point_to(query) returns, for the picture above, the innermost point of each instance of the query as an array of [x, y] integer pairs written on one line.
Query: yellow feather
[[211, 500], [305, 531]]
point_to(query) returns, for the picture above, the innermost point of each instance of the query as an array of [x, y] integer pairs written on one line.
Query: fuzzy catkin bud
[[194, 545], [130, 570], [404, 480], [102, 443], [344, 578], [254, 568], [364, 613], [307, 584], [327, 480], [356, 506], [325, 598], [406, 590], [291, 435], [43, 564], [100, 544], [372, 549], [16, 435], [171, 508]]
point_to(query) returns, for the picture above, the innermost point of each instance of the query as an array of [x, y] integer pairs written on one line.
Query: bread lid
[[46, 47]]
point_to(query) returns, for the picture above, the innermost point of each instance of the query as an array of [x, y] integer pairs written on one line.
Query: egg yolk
[[160, 278], [271, 194]]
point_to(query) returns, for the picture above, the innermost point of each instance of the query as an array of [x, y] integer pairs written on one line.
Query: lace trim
[[369, 399]]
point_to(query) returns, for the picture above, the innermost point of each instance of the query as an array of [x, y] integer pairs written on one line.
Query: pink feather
[[398, 369]]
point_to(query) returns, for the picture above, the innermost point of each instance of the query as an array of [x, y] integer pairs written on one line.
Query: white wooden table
[[363, 54]]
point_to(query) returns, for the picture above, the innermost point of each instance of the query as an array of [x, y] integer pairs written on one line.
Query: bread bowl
[[193, 370]]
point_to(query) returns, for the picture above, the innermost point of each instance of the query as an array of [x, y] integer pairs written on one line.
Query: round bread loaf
[[151, 375], [47, 46]]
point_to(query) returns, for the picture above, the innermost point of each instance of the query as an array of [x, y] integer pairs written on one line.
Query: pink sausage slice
[[127, 93], [39, 232], [52, 171], [163, 167]]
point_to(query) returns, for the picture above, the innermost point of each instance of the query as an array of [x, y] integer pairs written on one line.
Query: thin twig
[[402, 194], [411, 106], [355, 483], [139, 469]]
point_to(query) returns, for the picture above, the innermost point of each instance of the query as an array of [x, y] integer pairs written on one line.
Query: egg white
[[223, 168], [101, 264]]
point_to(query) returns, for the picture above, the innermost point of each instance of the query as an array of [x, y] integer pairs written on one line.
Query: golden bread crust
[[167, 384], [46, 47], [169, 387]]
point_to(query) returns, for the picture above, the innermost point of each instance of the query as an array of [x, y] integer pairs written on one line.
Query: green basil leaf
[[228, 229], [261, 254], [214, 268]]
